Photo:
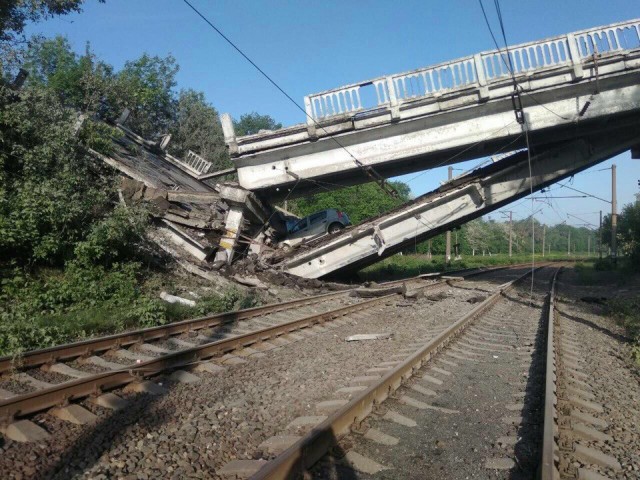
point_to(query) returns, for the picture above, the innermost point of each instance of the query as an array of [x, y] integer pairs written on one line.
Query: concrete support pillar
[[233, 225]]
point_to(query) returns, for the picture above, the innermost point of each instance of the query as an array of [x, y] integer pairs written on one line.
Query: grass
[[405, 266]]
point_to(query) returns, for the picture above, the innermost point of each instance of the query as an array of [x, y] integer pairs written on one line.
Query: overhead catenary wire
[[367, 169]]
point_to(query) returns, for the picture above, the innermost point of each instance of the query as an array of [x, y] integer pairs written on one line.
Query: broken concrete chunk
[[378, 292], [174, 299], [368, 336], [251, 282]]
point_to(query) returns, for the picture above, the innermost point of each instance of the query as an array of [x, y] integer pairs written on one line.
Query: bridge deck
[[448, 113]]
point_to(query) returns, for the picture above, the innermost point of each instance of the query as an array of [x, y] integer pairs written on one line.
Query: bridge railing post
[[394, 104], [576, 59], [480, 75], [311, 121]]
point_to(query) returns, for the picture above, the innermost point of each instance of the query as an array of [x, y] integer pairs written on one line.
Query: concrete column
[[448, 234], [233, 225], [614, 214]]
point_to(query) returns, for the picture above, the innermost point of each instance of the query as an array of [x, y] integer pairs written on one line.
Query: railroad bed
[[248, 396]]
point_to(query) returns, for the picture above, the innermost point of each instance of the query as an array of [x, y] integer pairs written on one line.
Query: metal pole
[[544, 234], [569, 242], [614, 214], [589, 246], [510, 230], [448, 234], [600, 236]]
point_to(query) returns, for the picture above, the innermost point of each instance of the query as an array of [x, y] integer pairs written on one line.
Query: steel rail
[[547, 468], [62, 393], [84, 348], [298, 458]]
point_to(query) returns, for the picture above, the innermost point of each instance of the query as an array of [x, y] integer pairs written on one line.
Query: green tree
[[252, 123], [50, 191], [146, 87], [15, 14], [360, 202], [80, 82], [196, 127]]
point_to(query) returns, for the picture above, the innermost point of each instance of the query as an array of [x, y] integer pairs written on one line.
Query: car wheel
[[335, 228]]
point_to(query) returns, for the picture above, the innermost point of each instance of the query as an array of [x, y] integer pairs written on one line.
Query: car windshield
[[299, 226]]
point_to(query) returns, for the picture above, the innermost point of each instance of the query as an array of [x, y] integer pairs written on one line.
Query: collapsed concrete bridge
[[577, 96]]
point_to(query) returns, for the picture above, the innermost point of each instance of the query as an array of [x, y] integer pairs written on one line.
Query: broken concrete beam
[[368, 336], [167, 297], [378, 292], [193, 197], [251, 282], [188, 222]]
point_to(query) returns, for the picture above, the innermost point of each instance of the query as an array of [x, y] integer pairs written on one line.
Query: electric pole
[[544, 234], [614, 214], [448, 234], [569, 242], [600, 235], [589, 246], [510, 212]]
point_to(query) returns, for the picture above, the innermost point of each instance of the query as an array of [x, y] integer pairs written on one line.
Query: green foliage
[[50, 190], [197, 127], [15, 14], [252, 123], [118, 237], [360, 202], [145, 86]]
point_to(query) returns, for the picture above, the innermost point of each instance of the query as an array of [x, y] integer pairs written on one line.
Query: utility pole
[[614, 215], [448, 234], [510, 212], [544, 234], [589, 246], [600, 235], [569, 242]]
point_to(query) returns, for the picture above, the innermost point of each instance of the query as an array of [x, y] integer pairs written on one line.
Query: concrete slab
[[424, 391], [135, 357], [63, 369], [330, 406], [179, 343], [102, 363], [75, 414], [441, 371], [579, 402], [591, 455], [499, 463], [110, 401], [150, 347], [366, 380], [586, 418], [241, 468], [362, 464], [25, 431], [306, 421], [6, 394], [351, 390], [145, 386], [590, 433], [34, 382], [430, 379], [184, 377], [510, 440], [230, 359], [380, 437], [279, 443], [209, 367], [395, 417]]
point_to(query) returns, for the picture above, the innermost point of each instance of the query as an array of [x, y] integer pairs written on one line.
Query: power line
[[367, 169]]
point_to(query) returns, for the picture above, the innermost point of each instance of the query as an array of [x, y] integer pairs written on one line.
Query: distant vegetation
[[73, 262]]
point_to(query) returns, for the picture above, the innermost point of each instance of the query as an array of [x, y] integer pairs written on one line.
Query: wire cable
[[367, 169]]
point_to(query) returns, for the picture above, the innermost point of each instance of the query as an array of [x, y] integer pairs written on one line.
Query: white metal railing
[[477, 70], [193, 163]]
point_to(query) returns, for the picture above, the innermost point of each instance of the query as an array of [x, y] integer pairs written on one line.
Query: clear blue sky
[[312, 46]]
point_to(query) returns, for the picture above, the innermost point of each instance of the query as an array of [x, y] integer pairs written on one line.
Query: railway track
[[56, 377], [503, 336]]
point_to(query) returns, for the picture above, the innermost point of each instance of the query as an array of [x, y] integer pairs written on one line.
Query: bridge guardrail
[[474, 71]]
